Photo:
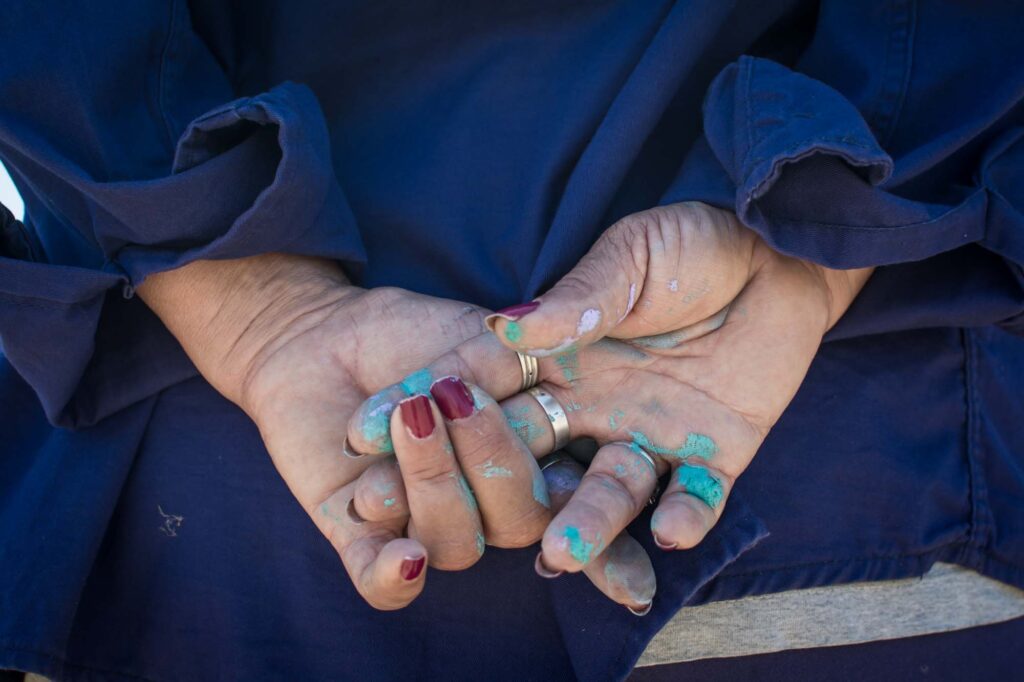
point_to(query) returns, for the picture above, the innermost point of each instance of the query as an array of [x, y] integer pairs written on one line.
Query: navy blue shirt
[[476, 152]]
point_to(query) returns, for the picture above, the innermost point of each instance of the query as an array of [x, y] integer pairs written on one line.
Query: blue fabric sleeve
[[861, 155], [134, 156]]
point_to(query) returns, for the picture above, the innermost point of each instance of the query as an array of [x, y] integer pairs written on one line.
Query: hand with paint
[[680, 338], [293, 344]]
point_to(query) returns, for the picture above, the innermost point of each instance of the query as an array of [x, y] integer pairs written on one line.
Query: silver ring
[[553, 459], [645, 455], [528, 366], [556, 415]]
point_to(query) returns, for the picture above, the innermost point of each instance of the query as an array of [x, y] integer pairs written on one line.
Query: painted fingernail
[[348, 451], [641, 611], [511, 313], [542, 570], [412, 567], [453, 398], [664, 545], [353, 515], [417, 416]]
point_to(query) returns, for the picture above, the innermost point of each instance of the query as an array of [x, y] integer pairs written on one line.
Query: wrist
[[842, 287], [230, 315]]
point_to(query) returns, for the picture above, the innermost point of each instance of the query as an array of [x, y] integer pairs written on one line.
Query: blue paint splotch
[[417, 383], [569, 362], [490, 470], [389, 501], [513, 332], [696, 445], [581, 550], [615, 419], [540, 490], [697, 481], [377, 422], [467, 493], [481, 544], [521, 423]]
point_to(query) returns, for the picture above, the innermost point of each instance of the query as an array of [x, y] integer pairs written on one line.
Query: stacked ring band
[[528, 366], [556, 415]]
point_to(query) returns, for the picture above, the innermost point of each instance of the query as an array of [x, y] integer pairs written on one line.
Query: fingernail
[[542, 570], [353, 515], [412, 567], [453, 398], [642, 611], [348, 451], [664, 545], [417, 416], [511, 313]]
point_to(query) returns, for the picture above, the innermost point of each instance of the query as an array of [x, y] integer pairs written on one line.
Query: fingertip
[[681, 522], [397, 576]]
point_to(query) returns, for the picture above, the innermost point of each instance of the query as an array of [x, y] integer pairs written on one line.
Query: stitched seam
[[909, 33], [12, 645], [162, 77], [846, 560], [979, 522]]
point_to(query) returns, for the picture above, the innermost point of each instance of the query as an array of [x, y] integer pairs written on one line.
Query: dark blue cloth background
[[476, 152]]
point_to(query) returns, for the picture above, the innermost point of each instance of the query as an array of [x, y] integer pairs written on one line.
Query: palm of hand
[[309, 380]]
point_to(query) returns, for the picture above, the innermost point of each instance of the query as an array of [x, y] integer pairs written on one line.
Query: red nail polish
[[417, 416], [453, 398], [412, 567], [514, 312]]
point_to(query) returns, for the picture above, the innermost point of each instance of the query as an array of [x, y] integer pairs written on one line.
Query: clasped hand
[[397, 420]]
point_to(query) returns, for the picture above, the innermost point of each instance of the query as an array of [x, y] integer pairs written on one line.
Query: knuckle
[[429, 472], [522, 530], [621, 495]]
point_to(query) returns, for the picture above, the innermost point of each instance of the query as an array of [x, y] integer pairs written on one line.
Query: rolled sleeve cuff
[[810, 177], [253, 176]]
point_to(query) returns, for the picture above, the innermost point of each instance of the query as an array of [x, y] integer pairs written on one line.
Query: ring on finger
[[553, 459], [555, 413], [528, 367]]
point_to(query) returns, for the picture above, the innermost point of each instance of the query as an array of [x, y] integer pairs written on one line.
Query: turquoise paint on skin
[[467, 493], [573, 406], [326, 511], [377, 422], [615, 418], [620, 471], [662, 341], [489, 470], [383, 487], [513, 332], [540, 490], [581, 550], [480, 399], [698, 482], [481, 545], [570, 363], [388, 501], [696, 445], [522, 425], [417, 383], [622, 349]]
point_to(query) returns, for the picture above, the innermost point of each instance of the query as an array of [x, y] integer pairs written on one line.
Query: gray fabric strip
[[946, 598]]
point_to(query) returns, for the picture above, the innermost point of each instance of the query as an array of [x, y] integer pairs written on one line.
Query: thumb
[[587, 303], [652, 272]]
